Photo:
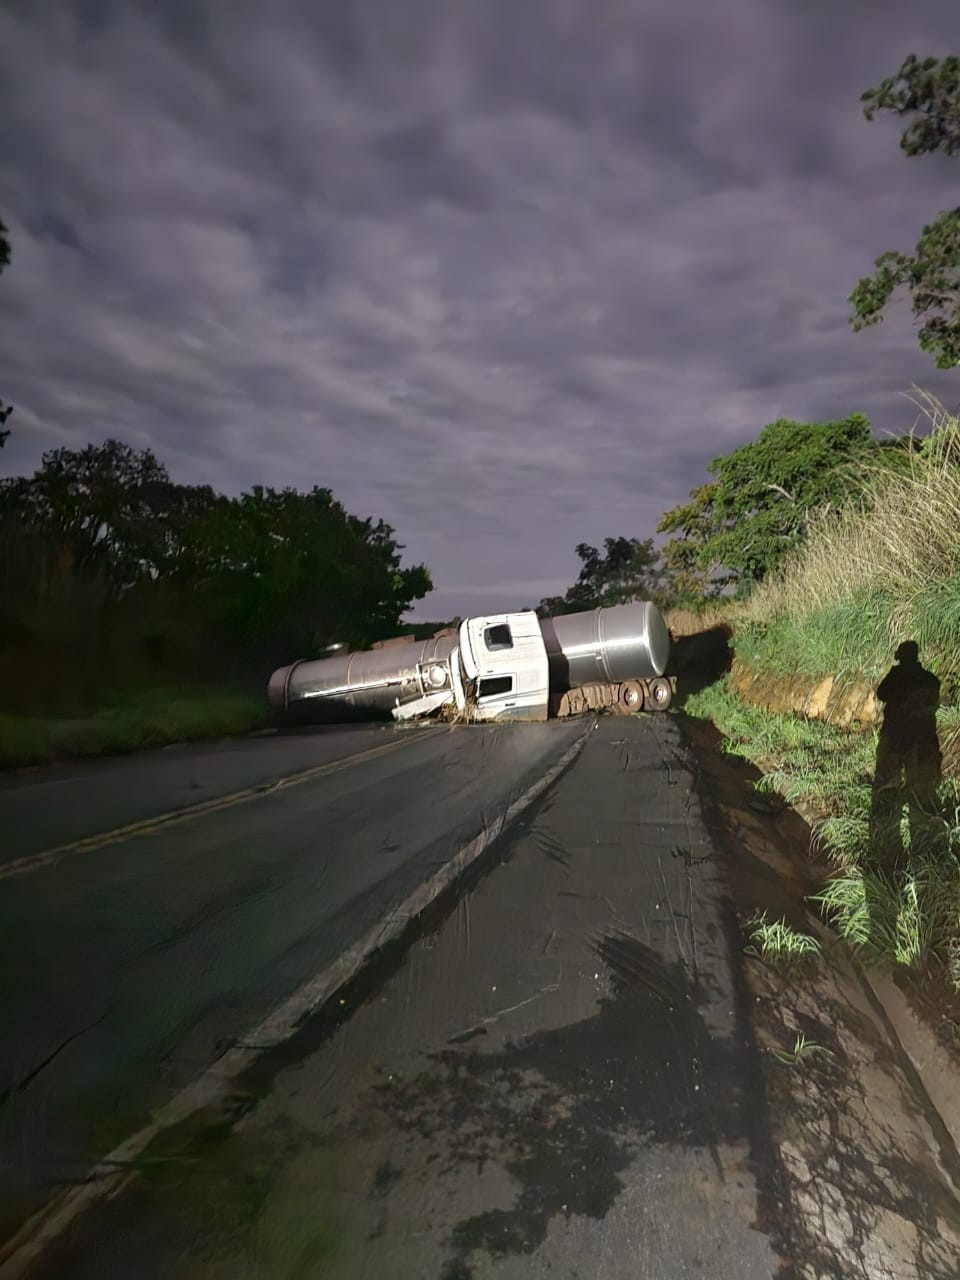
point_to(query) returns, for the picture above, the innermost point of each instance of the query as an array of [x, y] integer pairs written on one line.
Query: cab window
[[498, 637], [491, 686]]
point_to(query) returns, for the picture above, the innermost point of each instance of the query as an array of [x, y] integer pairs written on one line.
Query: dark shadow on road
[[567, 1110]]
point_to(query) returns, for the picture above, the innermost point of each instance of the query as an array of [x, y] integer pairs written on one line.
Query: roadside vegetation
[[777, 943], [927, 93], [827, 773], [739, 527], [886, 567], [136, 611], [824, 551], [626, 569], [129, 721]]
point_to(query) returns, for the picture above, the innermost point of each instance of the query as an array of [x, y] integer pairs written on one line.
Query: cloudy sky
[[507, 273]]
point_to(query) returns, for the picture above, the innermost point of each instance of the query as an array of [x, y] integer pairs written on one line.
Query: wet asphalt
[[50, 805], [557, 1078], [126, 969]]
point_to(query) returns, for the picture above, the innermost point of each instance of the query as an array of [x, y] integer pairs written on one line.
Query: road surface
[[44, 807], [558, 1079], [126, 967]]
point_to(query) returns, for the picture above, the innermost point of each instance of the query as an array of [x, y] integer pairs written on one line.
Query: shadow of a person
[[908, 762]]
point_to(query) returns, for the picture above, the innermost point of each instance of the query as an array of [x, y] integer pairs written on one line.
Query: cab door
[[505, 658]]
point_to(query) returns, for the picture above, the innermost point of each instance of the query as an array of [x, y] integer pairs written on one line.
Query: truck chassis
[[653, 694]]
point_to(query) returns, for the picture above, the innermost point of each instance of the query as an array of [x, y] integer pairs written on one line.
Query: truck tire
[[631, 697], [659, 694]]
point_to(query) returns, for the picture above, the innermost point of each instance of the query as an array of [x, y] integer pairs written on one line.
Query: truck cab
[[504, 667]]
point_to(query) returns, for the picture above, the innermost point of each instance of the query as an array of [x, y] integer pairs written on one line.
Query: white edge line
[[113, 1172]]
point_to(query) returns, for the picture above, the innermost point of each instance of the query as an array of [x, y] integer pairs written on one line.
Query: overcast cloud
[[507, 273]]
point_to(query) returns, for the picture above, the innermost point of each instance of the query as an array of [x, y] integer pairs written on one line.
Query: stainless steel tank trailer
[[508, 666]]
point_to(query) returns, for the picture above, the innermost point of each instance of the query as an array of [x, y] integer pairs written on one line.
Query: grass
[[691, 622], [777, 943], [913, 922], [802, 1049], [147, 719]]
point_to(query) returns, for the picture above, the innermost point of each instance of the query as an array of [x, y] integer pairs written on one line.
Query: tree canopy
[[738, 526], [627, 569], [275, 572], [929, 92], [112, 507]]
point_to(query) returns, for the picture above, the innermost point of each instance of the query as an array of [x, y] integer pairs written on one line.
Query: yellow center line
[[147, 826]]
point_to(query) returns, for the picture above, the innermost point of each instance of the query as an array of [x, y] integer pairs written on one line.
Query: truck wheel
[[631, 696], [659, 694]]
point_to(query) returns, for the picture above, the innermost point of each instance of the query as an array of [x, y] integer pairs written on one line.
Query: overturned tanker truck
[[509, 666]]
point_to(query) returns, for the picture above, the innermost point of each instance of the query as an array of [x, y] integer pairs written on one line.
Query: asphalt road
[[126, 968], [558, 1080], [41, 808]]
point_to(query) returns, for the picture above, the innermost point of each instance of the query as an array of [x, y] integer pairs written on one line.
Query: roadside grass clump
[[803, 1049], [844, 836], [778, 944], [913, 922], [886, 568]]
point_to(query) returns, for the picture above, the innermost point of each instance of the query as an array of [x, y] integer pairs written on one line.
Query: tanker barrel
[[622, 642], [376, 679]]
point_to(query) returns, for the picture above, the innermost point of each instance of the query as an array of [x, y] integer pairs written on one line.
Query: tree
[[930, 92], [298, 567], [5, 409], [111, 507], [278, 570], [627, 569], [737, 527]]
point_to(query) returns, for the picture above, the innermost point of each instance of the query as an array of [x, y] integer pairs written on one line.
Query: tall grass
[[685, 621], [885, 569]]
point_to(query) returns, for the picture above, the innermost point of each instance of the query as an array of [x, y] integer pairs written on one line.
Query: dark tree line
[[108, 565]]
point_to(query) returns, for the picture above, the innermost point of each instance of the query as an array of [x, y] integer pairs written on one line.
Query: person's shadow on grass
[[908, 768]]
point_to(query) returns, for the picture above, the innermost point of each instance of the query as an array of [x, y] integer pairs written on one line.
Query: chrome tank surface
[[624, 642], [375, 680]]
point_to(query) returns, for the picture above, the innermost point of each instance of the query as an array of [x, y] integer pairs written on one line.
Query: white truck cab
[[503, 661]]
